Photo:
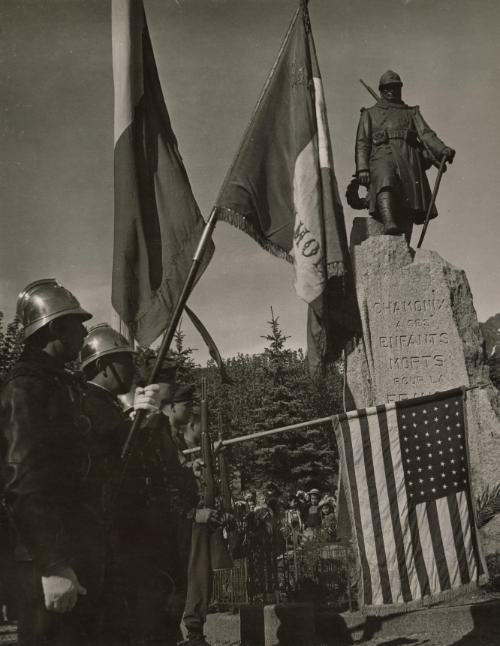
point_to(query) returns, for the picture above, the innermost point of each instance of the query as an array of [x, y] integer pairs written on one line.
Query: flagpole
[[302, 3], [206, 236], [259, 434]]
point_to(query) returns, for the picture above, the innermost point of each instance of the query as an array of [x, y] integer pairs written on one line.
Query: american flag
[[406, 475]]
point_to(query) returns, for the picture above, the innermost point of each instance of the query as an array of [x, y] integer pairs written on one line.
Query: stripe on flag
[[408, 491], [282, 191], [157, 223]]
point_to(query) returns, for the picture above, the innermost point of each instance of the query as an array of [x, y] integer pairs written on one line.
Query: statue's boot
[[386, 206]]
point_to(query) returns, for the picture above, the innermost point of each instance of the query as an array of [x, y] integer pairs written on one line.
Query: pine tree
[[271, 390], [10, 344], [187, 368], [298, 458]]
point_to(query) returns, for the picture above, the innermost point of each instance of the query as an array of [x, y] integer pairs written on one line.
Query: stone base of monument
[[420, 336]]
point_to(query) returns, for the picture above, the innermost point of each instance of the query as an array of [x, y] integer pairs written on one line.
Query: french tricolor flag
[[157, 222], [281, 188]]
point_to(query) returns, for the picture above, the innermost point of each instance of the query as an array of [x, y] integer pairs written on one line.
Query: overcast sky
[[213, 56]]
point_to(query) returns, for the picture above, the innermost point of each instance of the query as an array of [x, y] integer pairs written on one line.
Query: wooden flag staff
[[254, 436], [170, 331]]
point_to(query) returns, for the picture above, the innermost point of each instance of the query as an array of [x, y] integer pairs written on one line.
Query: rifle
[[372, 92], [225, 491], [219, 555]]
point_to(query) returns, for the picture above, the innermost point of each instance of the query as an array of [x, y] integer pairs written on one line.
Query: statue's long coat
[[390, 143]]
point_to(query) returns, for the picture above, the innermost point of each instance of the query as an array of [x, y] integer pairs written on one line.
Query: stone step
[[475, 618]]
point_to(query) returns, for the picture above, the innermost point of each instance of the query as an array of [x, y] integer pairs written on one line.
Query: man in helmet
[[394, 147], [146, 557], [56, 515], [156, 504]]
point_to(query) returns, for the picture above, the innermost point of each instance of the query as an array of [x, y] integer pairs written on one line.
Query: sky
[[213, 57]]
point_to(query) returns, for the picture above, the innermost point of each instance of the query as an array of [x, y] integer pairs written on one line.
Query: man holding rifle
[[197, 561]]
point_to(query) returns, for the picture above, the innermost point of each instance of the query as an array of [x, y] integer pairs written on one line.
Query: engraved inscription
[[411, 343], [429, 305]]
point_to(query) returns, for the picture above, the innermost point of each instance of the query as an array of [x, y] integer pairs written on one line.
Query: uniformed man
[[144, 551], [394, 146], [56, 516], [185, 430]]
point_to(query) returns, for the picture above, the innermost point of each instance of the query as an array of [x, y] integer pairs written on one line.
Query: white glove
[[61, 590], [147, 398]]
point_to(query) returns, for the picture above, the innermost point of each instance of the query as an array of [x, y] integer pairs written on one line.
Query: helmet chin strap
[[122, 386]]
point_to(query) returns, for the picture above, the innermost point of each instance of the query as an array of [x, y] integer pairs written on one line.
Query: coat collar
[[45, 362]]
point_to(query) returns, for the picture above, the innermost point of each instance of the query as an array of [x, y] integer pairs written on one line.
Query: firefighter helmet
[[102, 340], [43, 301]]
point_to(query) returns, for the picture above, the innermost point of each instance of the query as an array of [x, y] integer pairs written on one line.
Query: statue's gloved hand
[[364, 177], [449, 153], [61, 589]]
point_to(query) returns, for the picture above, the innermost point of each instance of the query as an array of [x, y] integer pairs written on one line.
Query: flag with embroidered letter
[[406, 476], [281, 188], [157, 223]]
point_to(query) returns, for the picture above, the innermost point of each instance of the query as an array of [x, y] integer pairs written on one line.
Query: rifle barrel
[[372, 92]]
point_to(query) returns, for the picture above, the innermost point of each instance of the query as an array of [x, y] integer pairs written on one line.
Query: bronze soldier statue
[[394, 148]]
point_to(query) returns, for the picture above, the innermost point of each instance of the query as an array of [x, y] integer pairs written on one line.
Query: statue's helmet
[[389, 78], [43, 301], [101, 341]]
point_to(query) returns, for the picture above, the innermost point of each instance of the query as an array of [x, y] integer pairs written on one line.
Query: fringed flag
[[281, 188], [408, 489]]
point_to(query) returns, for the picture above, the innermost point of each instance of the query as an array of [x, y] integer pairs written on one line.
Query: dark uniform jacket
[[48, 463], [151, 530], [390, 143]]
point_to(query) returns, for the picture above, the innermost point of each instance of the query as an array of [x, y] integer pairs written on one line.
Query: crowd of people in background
[[299, 517]]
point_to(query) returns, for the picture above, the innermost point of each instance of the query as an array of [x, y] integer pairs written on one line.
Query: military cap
[[314, 491], [184, 393], [389, 78]]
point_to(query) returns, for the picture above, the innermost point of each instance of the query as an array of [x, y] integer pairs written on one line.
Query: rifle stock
[[219, 555]]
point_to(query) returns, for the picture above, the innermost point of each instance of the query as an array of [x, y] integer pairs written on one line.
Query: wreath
[[352, 196]]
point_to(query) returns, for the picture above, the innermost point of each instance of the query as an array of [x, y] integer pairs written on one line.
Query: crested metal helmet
[[389, 78], [43, 301], [102, 340]]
